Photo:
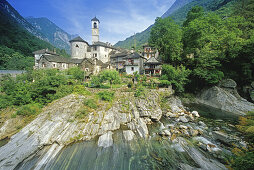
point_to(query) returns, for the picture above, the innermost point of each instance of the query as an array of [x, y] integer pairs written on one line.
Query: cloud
[[119, 19]]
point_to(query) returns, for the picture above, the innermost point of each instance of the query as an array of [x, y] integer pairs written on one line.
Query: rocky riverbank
[[57, 127]]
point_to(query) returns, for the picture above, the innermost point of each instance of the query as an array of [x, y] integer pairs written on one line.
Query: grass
[[106, 95]]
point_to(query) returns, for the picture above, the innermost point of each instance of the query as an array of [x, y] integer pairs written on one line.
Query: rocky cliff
[[226, 98], [58, 126]]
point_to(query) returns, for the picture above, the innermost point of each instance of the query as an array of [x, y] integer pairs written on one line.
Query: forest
[[207, 48]]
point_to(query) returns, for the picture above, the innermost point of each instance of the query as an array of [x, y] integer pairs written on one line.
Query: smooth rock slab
[[106, 140], [128, 135]]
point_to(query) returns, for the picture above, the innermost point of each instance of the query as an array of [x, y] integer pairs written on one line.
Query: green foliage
[[30, 109], [176, 76], [91, 103], [106, 95], [244, 161], [111, 76], [76, 73], [80, 89], [140, 91], [166, 36]]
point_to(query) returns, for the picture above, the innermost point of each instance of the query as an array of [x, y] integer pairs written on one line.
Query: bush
[[90, 103], [139, 91], [80, 89], [177, 77], [76, 73], [30, 109], [106, 95], [96, 81], [244, 161]]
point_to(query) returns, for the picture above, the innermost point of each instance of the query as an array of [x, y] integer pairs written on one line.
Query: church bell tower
[[95, 30]]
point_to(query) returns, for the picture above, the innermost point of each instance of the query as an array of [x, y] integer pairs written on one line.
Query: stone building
[[134, 63], [81, 49], [152, 67]]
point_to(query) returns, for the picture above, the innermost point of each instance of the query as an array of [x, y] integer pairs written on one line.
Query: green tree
[[193, 14], [111, 76], [177, 76], [166, 36], [76, 73]]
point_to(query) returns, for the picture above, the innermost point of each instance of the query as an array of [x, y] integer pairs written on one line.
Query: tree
[[177, 76], [166, 36], [76, 73], [111, 76], [193, 14]]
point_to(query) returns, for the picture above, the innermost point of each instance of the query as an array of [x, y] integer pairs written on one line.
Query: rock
[[223, 137], [202, 123], [183, 127], [162, 133], [194, 132], [105, 140], [183, 119], [217, 129], [252, 85], [228, 83], [162, 126], [190, 117], [142, 128], [167, 133], [176, 109], [128, 135], [195, 113], [225, 99], [182, 113]]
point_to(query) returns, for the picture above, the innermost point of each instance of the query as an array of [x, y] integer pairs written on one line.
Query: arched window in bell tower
[[95, 25]]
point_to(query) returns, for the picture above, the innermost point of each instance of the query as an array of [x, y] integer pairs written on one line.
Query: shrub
[[244, 161], [90, 103], [76, 73], [30, 109], [139, 91], [96, 81], [111, 76], [106, 95], [80, 89], [177, 76]]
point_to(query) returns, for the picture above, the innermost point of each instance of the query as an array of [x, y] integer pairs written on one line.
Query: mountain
[[178, 4], [178, 12], [54, 34], [17, 40]]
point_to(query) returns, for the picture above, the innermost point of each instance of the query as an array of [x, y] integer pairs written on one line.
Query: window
[[95, 25], [43, 65], [132, 68], [54, 65], [77, 46], [87, 69], [95, 54], [95, 48]]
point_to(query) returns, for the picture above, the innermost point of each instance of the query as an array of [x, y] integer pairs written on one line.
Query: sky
[[119, 19]]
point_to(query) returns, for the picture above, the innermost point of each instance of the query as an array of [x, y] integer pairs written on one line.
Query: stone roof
[[95, 19], [102, 44], [44, 51], [78, 39], [59, 59], [134, 55], [152, 60], [122, 54]]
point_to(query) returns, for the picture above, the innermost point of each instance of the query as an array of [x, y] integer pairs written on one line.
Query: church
[[81, 49], [91, 58]]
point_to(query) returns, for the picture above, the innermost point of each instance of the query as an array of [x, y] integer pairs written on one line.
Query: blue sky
[[119, 18]]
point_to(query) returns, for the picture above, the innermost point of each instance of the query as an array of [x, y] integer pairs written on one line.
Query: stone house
[[134, 63], [152, 67]]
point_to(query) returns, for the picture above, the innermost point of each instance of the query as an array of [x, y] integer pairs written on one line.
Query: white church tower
[[95, 30]]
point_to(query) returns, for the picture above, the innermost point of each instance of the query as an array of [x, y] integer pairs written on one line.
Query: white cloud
[[118, 19]]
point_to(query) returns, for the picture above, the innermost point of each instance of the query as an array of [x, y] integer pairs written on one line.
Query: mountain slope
[[16, 43], [54, 34], [179, 16], [178, 4], [7, 9]]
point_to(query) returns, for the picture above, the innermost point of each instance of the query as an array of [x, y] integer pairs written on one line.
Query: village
[[100, 56]]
